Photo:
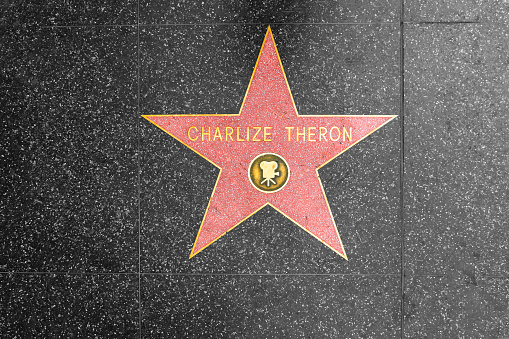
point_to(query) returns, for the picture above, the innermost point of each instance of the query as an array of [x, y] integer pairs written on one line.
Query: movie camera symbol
[[269, 173]]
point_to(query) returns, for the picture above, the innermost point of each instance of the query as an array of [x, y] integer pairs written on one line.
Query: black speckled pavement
[[99, 209]]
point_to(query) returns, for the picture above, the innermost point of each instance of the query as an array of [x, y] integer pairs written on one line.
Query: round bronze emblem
[[268, 172]]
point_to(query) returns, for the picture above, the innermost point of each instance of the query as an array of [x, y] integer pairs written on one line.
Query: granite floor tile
[[362, 187], [279, 11], [69, 12], [342, 69], [196, 69], [339, 69], [455, 307], [177, 183], [270, 307], [68, 306], [186, 70], [456, 11], [456, 149], [68, 150]]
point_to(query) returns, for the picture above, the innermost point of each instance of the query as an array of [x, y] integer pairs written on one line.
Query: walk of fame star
[[268, 154]]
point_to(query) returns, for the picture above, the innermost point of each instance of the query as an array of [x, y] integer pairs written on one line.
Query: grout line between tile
[[491, 276], [211, 274], [73, 26], [402, 164], [273, 274], [497, 276], [450, 22], [326, 23], [68, 273], [271, 23], [138, 129]]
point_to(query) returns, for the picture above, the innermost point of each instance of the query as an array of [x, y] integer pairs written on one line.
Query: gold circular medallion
[[268, 172]]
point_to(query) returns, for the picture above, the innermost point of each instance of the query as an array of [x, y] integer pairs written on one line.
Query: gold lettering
[[203, 133], [266, 134], [322, 131], [238, 136], [311, 134], [303, 133], [289, 129], [257, 129], [228, 132], [345, 133], [217, 134], [330, 133], [247, 137], [189, 133]]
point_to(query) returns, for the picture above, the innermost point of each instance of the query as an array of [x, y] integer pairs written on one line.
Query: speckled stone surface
[[68, 150], [343, 69], [81, 170], [68, 306], [457, 11], [278, 11], [69, 12], [196, 69], [456, 141], [330, 69], [270, 307], [456, 307]]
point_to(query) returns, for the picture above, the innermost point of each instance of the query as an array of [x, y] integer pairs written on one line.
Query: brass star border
[[228, 142]]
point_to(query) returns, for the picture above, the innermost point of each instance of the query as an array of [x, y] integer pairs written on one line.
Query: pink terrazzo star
[[305, 142]]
